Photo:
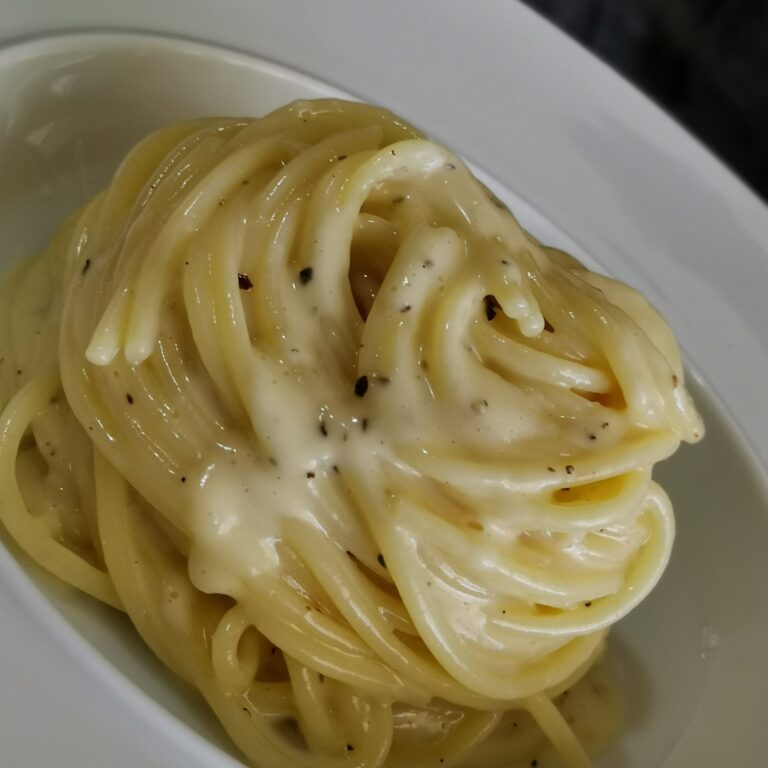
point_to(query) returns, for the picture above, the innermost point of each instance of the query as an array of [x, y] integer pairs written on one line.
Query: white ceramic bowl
[[588, 164]]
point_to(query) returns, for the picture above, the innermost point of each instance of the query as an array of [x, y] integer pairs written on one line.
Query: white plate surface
[[586, 161]]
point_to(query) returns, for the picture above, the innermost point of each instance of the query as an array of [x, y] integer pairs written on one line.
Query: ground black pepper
[[491, 305], [361, 386], [244, 282]]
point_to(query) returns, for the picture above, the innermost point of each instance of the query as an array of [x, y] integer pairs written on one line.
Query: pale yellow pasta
[[363, 461]]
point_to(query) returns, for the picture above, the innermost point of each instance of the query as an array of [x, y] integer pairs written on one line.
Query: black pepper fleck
[[405, 308], [491, 305], [129, 398], [183, 478], [244, 282], [310, 475], [380, 558], [398, 199], [361, 386], [364, 424], [323, 428], [592, 437], [350, 748], [305, 275], [86, 266], [551, 469], [588, 604], [569, 468]]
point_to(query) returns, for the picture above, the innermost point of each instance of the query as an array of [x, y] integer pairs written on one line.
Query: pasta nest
[[363, 461]]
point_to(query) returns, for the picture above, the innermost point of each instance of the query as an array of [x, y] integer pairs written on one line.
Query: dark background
[[704, 61]]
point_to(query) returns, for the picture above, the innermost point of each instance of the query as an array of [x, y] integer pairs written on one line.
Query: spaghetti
[[363, 462]]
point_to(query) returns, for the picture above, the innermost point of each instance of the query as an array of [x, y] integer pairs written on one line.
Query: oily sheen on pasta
[[363, 461]]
